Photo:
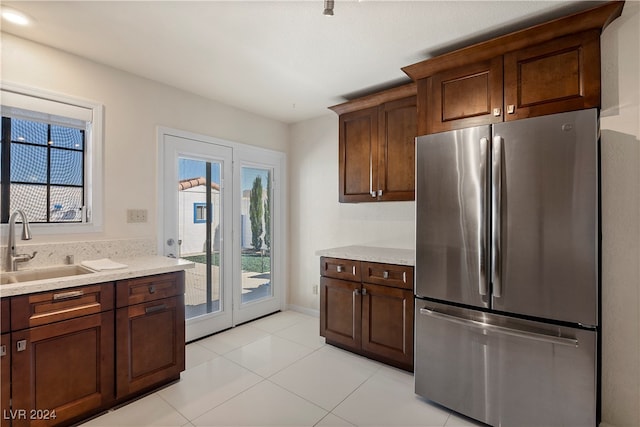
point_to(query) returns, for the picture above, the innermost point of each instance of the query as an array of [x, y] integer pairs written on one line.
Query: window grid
[[48, 187]]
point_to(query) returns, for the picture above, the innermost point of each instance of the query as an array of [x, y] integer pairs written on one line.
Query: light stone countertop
[[136, 267], [372, 254]]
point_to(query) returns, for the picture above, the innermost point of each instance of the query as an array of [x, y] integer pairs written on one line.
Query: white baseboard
[[304, 310]]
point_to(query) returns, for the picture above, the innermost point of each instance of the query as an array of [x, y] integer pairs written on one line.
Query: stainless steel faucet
[[12, 259]]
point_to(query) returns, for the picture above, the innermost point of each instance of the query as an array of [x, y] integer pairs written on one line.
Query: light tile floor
[[277, 371]]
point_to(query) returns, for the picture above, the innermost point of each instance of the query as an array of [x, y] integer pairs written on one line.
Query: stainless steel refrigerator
[[507, 278]]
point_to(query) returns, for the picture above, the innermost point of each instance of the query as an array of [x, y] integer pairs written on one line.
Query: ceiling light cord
[[328, 8]]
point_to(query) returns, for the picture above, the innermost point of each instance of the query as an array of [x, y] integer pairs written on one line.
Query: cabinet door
[[396, 150], [150, 344], [465, 97], [5, 379], [561, 75], [63, 369], [5, 315], [340, 312], [387, 323], [358, 136]]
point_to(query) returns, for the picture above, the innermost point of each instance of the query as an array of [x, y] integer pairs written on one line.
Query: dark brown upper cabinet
[[545, 69], [376, 146]]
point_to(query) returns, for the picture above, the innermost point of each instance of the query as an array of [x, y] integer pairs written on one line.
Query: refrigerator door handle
[[483, 287], [518, 333], [496, 220]]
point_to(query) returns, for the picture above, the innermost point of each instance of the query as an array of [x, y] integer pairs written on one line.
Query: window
[[50, 160], [199, 213], [42, 171]]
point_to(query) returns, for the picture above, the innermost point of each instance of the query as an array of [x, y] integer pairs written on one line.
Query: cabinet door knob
[[497, 112], [3, 350], [21, 345], [152, 289], [364, 291], [511, 109]]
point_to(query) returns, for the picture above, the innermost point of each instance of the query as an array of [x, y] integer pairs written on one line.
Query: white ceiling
[[278, 59]]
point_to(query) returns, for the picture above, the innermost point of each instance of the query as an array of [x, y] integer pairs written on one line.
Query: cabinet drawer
[[345, 269], [149, 288], [47, 307], [397, 276]]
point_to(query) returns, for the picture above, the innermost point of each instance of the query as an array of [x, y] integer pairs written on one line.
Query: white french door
[[221, 207], [197, 206], [260, 245]]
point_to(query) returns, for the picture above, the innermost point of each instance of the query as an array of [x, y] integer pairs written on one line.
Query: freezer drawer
[[504, 371]]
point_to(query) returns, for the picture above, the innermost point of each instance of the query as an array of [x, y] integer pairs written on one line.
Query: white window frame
[[42, 101]]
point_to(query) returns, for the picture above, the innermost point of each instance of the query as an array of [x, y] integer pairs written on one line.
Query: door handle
[[483, 287], [496, 211], [153, 309], [68, 295]]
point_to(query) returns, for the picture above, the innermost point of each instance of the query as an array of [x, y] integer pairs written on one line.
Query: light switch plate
[[136, 215]]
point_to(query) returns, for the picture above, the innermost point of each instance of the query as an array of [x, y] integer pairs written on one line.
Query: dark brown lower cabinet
[[70, 354], [5, 377], [375, 320], [387, 323], [150, 347], [340, 308], [62, 371]]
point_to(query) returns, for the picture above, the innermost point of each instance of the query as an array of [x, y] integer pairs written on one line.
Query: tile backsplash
[[56, 253]]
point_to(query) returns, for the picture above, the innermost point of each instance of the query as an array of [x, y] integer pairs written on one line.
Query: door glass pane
[[256, 234], [199, 234]]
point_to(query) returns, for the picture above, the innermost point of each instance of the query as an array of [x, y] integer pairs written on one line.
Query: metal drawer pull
[[385, 275], [3, 350], [339, 269], [152, 289], [67, 295], [571, 342], [21, 345], [364, 291], [155, 308]]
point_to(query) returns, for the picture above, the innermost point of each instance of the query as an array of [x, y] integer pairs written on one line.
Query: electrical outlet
[[315, 289], [136, 215]]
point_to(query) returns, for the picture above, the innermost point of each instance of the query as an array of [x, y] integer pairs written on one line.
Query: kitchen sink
[[12, 277]]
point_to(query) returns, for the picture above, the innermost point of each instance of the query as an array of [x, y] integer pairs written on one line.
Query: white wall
[[134, 107], [318, 221], [620, 124]]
